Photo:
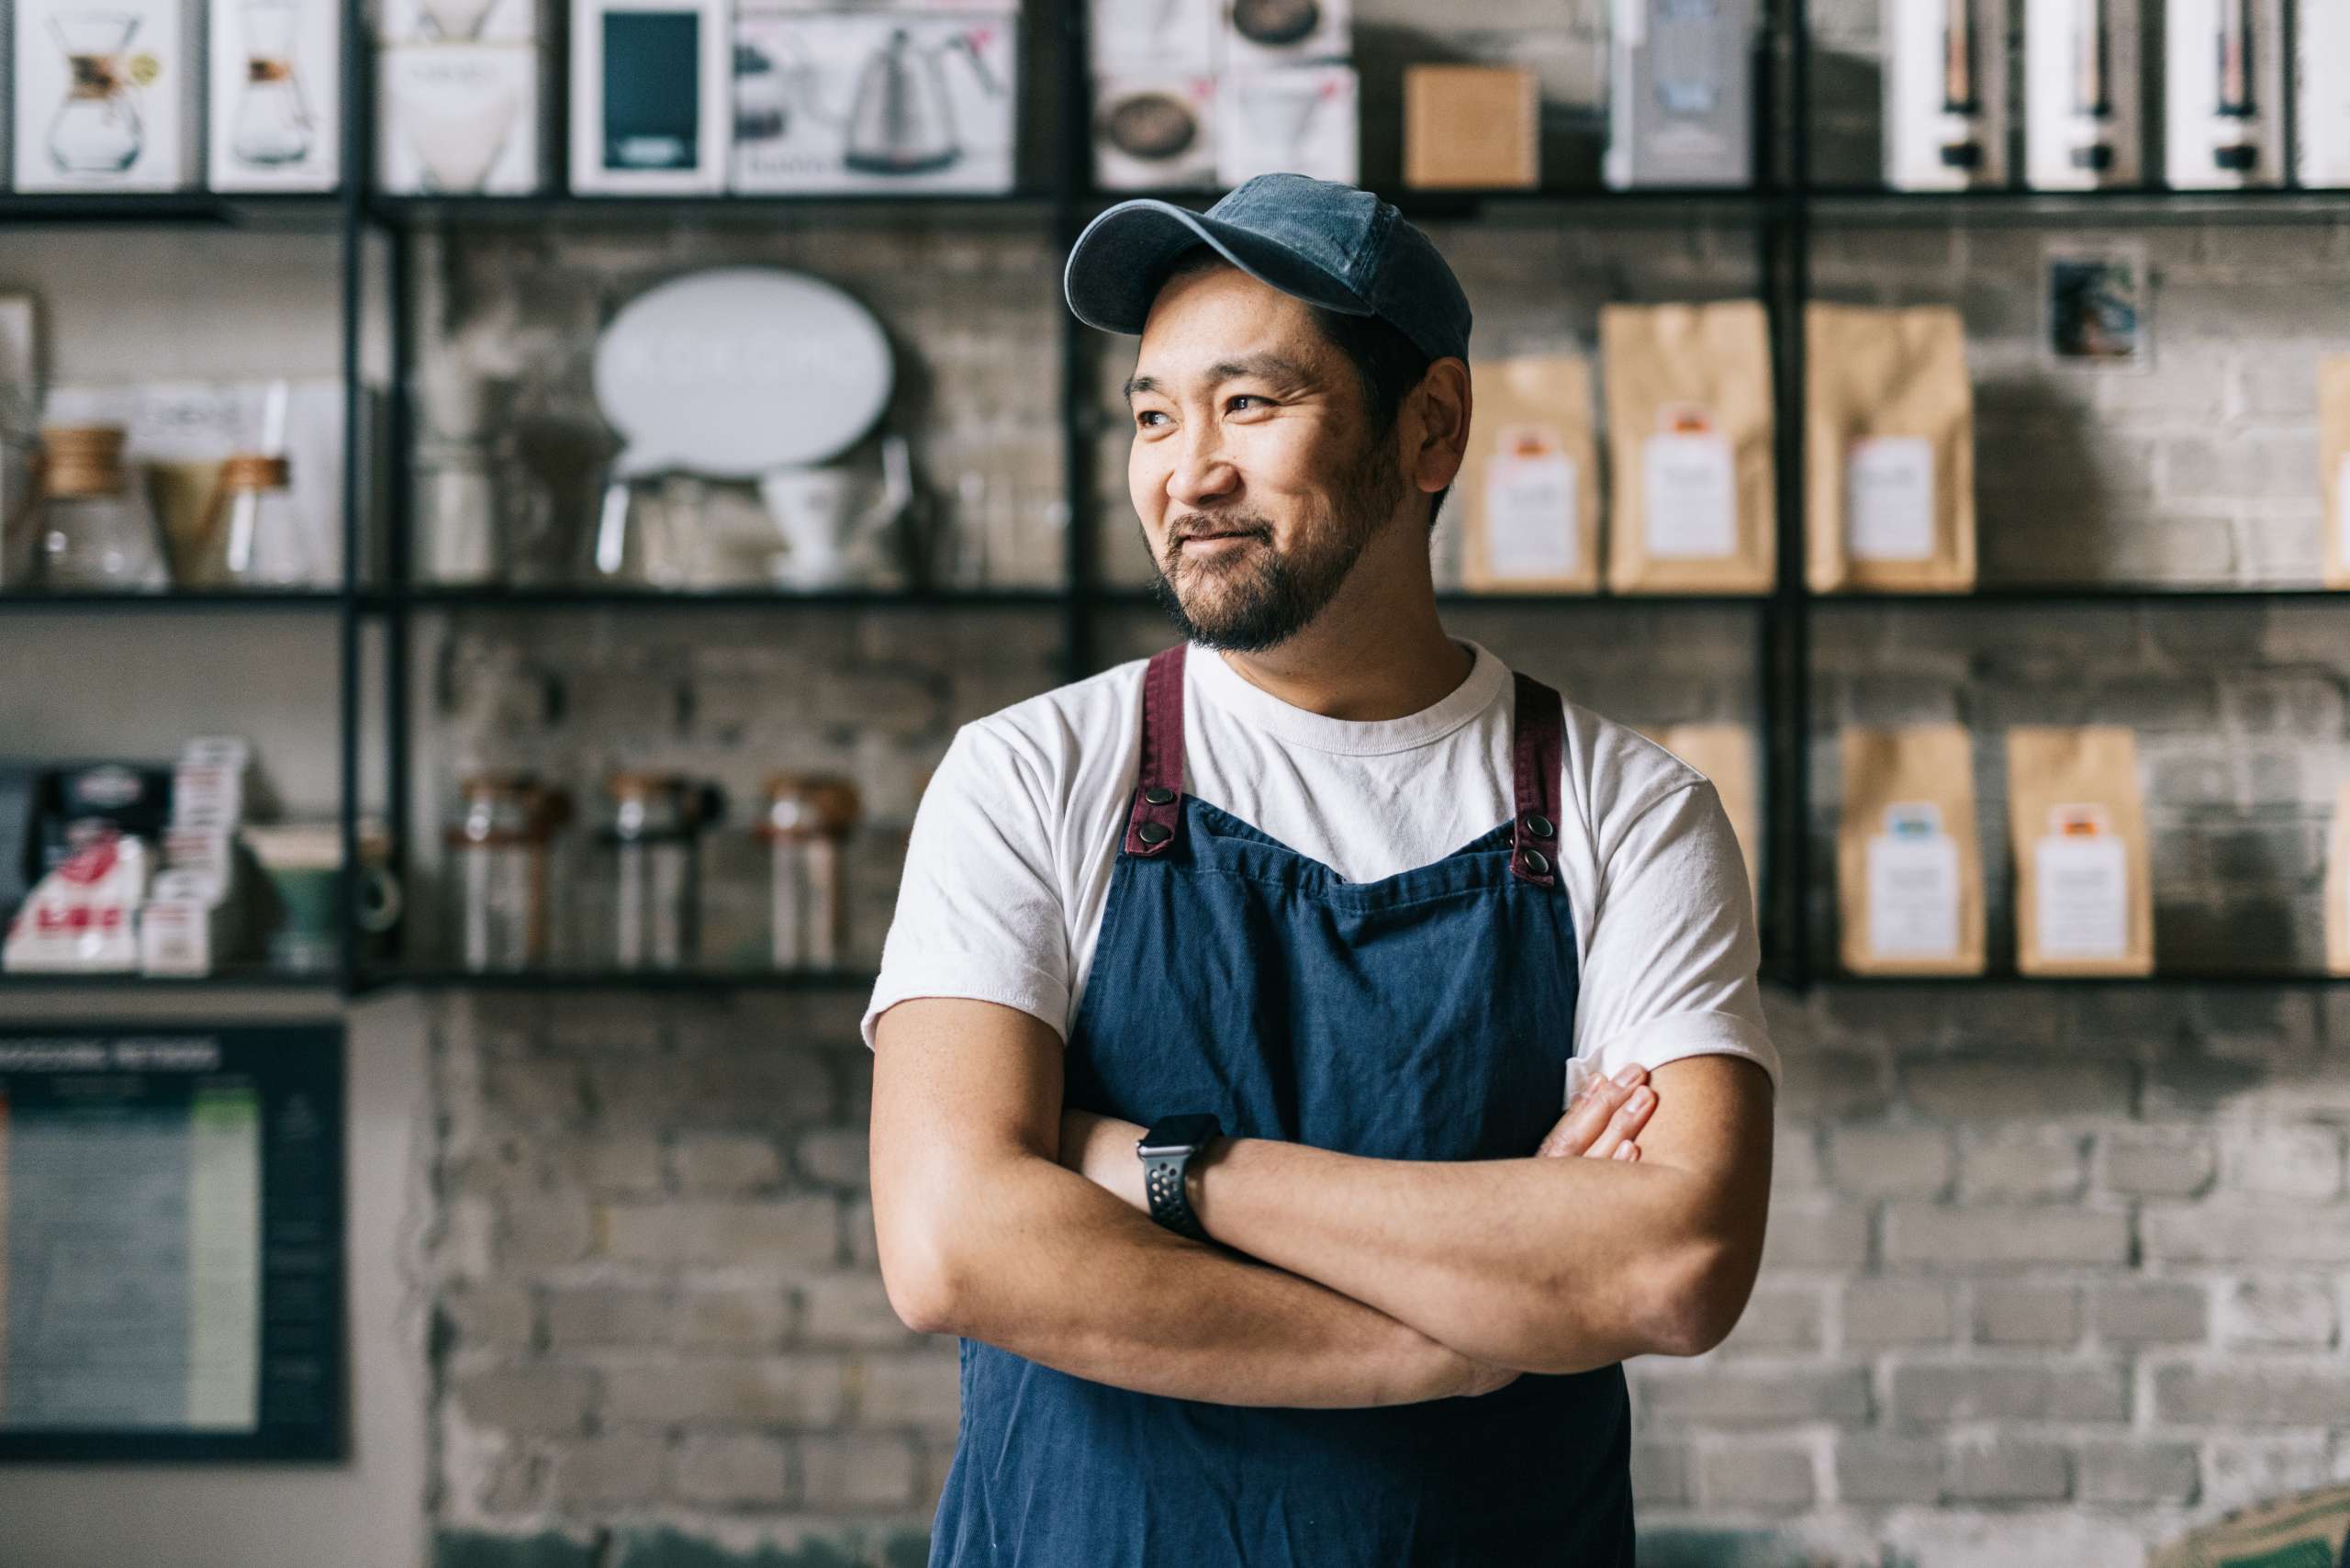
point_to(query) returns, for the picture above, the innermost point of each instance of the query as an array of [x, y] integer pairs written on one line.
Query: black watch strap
[[1170, 1204]]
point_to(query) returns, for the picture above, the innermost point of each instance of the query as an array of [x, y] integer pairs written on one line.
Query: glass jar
[[255, 528], [94, 529], [498, 871], [651, 842], [807, 825]]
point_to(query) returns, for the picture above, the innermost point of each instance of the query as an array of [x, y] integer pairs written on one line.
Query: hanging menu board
[[170, 1243]]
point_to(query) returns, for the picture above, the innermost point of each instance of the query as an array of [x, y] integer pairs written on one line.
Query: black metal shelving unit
[[379, 598]]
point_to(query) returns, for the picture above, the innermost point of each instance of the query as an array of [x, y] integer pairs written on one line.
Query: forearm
[[1051, 1267]]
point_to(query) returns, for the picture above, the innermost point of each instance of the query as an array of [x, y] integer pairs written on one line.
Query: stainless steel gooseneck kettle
[[902, 121]]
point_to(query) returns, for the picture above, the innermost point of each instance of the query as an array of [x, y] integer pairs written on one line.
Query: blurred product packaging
[[1154, 130], [276, 109], [651, 84], [106, 98], [1300, 119], [1156, 35], [19, 440], [1471, 126], [461, 98], [1680, 92]]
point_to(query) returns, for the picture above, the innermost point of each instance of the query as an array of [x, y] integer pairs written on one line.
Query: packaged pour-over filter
[[2223, 100], [1300, 119], [2083, 125], [1945, 94], [459, 120], [1680, 92]]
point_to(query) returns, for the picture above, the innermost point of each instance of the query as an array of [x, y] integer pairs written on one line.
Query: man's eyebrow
[[1268, 365]]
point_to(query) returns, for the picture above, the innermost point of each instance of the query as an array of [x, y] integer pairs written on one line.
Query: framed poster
[[170, 1243]]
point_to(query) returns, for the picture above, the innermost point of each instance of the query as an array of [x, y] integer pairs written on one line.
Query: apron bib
[[1426, 1016]]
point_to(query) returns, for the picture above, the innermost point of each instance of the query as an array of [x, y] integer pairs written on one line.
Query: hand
[[1602, 1121]]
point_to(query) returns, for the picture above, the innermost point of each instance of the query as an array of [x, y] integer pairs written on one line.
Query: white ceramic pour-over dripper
[[456, 130], [1279, 111], [456, 21], [824, 529]]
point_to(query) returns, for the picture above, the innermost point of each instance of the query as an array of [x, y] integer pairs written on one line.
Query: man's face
[[1254, 470]]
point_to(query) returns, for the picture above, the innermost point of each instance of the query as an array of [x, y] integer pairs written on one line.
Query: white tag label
[[1889, 499], [2342, 505], [1913, 888], [1691, 486], [2084, 896], [1531, 505]]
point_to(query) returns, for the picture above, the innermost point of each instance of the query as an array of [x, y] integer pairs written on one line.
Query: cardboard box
[[145, 56], [1260, 35], [1302, 120], [2223, 97], [1681, 94], [840, 100], [275, 110], [2084, 121], [1946, 94], [1471, 126], [1155, 130], [652, 89], [459, 120], [1155, 35]]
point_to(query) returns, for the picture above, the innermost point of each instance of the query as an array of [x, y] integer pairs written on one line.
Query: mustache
[[1199, 526]]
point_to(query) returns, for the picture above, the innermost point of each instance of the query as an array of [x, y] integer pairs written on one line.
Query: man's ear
[[1440, 407]]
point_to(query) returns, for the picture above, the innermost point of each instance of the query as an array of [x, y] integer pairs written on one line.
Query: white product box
[[106, 99], [276, 107], [2224, 95], [458, 21], [862, 101], [2322, 84], [1154, 130], [1264, 34], [1681, 94], [1155, 35], [2083, 123], [1302, 120], [651, 91], [459, 120], [1946, 93]]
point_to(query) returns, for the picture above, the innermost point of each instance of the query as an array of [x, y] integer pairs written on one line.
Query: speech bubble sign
[[734, 371]]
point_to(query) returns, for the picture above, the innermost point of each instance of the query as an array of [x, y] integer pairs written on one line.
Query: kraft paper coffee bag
[[1908, 860], [2334, 464], [2078, 825], [2337, 888], [1689, 448], [1724, 754], [1529, 482], [1888, 450]]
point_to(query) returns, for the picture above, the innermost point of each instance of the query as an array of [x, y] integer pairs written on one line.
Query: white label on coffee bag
[[1531, 502], [2084, 895], [1692, 490], [1913, 885], [1889, 499]]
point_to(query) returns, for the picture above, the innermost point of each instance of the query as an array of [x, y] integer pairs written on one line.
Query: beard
[[1263, 596]]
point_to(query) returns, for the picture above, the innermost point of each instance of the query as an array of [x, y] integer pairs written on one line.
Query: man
[[1225, 1024]]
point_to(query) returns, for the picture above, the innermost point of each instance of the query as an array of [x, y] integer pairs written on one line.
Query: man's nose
[[1203, 473]]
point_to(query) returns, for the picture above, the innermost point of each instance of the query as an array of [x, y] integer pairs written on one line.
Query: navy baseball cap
[[1328, 244]]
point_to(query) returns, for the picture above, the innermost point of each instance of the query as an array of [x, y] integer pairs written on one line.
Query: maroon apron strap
[[1538, 747], [1158, 809]]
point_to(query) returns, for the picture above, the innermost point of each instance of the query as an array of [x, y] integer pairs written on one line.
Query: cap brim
[[1118, 263]]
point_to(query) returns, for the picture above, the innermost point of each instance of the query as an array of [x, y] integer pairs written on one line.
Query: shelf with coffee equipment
[[180, 602], [832, 980], [1032, 207], [222, 209], [2135, 205], [252, 978], [2091, 593], [594, 597], [2159, 978]]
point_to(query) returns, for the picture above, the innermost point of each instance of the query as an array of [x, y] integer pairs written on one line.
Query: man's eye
[[1146, 415], [1240, 398]]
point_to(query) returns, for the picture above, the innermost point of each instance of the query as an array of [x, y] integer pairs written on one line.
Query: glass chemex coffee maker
[[273, 124], [97, 128]]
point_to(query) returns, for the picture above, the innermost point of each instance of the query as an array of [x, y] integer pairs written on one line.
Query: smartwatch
[[1166, 1150]]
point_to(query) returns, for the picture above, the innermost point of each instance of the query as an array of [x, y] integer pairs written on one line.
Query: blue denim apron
[[1426, 1016]]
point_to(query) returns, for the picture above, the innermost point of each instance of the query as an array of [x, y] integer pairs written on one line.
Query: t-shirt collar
[[1213, 680]]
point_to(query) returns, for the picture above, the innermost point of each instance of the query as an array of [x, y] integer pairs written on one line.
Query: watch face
[[1169, 1134]]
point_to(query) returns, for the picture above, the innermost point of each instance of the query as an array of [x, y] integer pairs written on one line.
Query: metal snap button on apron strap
[[1153, 833], [1534, 861], [1158, 794], [1540, 826]]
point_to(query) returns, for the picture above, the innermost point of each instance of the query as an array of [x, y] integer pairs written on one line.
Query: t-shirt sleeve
[[1668, 967], [979, 911]]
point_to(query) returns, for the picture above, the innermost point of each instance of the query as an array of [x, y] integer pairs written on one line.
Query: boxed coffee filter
[[2321, 88], [1945, 94], [2223, 100], [1680, 92], [460, 119], [106, 99], [1155, 35], [1299, 120], [458, 21], [1155, 130], [865, 100], [276, 95], [1266, 34], [652, 89], [2084, 85], [1471, 127]]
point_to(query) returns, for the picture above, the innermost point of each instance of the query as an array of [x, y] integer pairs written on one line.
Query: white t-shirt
[[1008, 868]]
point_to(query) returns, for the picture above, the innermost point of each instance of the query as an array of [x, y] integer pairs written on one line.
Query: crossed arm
[[1339, 1279]]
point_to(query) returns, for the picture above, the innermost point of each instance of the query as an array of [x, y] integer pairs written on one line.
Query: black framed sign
[[170, 1242]]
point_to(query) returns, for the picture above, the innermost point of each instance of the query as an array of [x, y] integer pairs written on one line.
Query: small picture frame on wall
[[2095, 305]]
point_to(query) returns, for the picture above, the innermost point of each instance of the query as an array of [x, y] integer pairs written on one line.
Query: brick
[[2240, 1232], [2027, 1314], [611, 1163], [836, 1157], [805, 1389], [2302, 1161], [1795, 1163], [544, 1231], [1882, 1313], [908, 1388], [1662, 1474], [489, 1316], [1891, 1162], [726, 1162], [749, 1318], [1769, 1479], [1748, 1395], [2157, 1162], [529, 1401], [611, 1469], [857, 1471], [2112, 1470], [2249, 1393], [786, 1230], [1815, 1233], [2024, 1165], [2162, 1312], [848, 1310], [1966, 1240], [2011, 1471], [1927, 1394], [2016, 1089], [2273, 1312], [731, 1469], [607, 1315], [2238, 1472], [1873, 1468]]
